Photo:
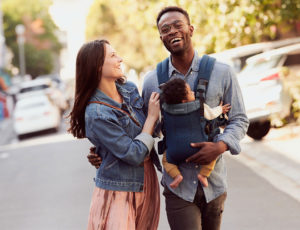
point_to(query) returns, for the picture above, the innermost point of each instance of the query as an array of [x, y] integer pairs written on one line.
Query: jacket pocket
[[137, 102], [123, 120], [111, 164]]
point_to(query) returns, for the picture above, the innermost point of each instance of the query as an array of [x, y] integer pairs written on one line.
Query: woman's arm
[[114, 138], [153, 114]]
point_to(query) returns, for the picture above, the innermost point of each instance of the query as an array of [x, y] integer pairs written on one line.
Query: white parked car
[[43, 86], [263, 82], [236, 57], [35, 113]]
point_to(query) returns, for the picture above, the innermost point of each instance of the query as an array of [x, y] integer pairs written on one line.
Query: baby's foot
[[203, 180], [176, 181]]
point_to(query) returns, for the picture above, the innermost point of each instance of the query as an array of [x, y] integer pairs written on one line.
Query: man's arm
[[93, 157], [234, 131]]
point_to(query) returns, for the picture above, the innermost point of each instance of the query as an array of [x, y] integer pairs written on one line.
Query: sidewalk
[[6, 131], [276, 158], [264, 183], [253, 203]]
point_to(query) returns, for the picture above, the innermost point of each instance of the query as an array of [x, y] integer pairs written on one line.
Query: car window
[[292, 59], [261, 65], [34, 88]]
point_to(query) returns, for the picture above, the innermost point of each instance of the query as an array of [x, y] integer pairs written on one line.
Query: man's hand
[[93, 158], [208, 152]]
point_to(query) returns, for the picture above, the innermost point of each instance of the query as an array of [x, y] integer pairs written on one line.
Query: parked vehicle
[[56, 80], [264, 84], [236, 57], [43, 86], [35, 113]]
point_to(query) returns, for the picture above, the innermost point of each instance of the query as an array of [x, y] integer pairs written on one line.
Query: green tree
[[219, 24], [130, 27], [41, 42]]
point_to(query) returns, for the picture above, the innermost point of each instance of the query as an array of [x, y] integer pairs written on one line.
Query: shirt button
[[194, 182]]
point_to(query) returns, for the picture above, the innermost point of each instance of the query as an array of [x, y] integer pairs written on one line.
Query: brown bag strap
[[114, 107]]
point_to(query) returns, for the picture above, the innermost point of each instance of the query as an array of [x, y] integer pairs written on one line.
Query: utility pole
[[20, 29]]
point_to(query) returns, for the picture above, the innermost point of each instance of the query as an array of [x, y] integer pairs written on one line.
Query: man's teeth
[[175, 40]]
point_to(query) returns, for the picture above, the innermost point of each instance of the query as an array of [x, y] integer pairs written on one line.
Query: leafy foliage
[[40, 39], [130, 25]]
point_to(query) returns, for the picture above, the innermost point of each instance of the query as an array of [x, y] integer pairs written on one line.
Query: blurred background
[[45, 178]]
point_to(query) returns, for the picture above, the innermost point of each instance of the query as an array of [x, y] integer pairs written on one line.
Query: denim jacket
[[118, 139]]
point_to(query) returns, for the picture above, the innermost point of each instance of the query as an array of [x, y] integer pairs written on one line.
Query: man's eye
[[178, 25], [164, 29]]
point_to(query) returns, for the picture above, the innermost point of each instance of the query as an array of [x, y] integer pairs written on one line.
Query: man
[[190, 206]]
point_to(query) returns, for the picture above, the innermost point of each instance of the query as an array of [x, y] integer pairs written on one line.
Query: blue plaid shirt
[[223, 86]]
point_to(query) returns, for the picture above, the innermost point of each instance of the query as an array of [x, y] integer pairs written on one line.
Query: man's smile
[[175, 40]]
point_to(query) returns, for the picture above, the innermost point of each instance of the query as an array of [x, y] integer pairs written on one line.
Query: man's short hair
[[174, 91], [172, 9]]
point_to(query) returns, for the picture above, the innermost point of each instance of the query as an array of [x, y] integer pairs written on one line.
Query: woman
[[109, 112]]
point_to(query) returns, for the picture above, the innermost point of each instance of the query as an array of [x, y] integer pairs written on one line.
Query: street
[[46, 183]]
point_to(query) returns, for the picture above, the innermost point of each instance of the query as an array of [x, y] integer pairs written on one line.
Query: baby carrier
[[184, 123]]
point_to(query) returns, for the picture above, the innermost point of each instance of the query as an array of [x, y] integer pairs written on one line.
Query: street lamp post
[[20, 29]]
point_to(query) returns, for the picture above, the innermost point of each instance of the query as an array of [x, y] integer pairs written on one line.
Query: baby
[[177, 91]]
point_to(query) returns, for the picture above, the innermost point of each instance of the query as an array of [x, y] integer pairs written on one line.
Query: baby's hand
[[225, 108]]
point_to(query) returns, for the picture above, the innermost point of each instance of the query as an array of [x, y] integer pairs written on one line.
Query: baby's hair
[[174, 91]]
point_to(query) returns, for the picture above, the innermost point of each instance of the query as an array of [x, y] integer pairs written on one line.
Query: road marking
[[49, 139]]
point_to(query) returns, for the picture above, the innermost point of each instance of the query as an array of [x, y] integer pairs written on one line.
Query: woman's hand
[[153, 113], [154, 106]]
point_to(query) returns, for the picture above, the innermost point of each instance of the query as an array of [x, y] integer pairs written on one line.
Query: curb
[[6, 131]]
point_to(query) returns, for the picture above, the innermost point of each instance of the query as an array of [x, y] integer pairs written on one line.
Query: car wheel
[[257, 130], [21, 136], [55, 130]]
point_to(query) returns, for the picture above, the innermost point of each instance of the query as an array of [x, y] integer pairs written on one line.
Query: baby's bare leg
[[203, 180], [177, 180], [173, 171], [205, 171]]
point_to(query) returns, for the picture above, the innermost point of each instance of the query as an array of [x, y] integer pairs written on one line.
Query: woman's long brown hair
[[89, 63]]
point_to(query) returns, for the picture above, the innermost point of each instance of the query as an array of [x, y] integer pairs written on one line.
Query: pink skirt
[[113, 210]]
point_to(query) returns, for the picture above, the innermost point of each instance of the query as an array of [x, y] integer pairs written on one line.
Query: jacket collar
[[124, 89]]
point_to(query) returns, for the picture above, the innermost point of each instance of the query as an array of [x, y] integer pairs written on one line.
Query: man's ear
[[191, 30]]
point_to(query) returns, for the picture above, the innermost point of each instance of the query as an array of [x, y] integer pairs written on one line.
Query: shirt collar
[[194, 66]]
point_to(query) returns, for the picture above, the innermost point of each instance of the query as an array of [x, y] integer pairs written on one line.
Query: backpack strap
[[162, 71], [201, 83], [205, 69], [121, 110]]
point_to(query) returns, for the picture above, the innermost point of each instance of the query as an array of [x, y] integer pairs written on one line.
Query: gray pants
[[196, 215]]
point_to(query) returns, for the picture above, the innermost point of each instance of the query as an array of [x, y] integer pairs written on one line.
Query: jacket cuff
[[147, 139]]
